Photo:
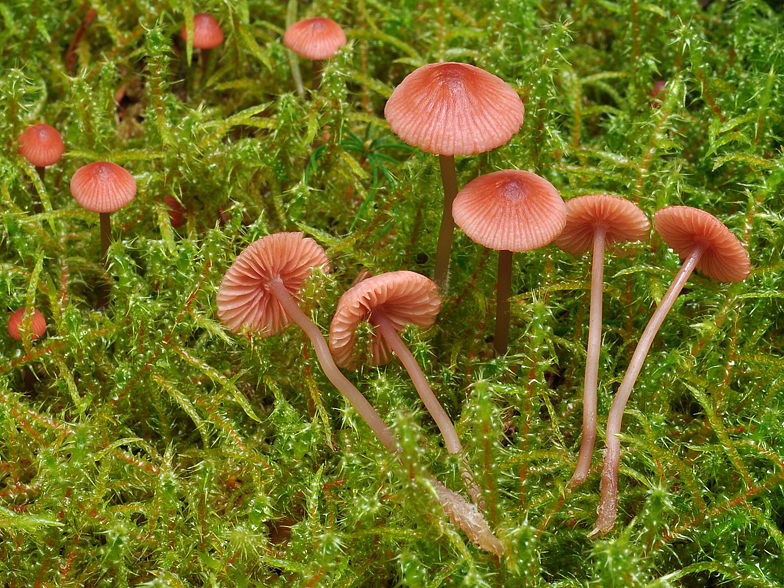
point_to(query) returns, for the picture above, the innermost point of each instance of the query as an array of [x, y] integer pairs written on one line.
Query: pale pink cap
[[315, 38], [37, 326], [207, 33], [683, 227], [406, 298], [244, 299], [510, 210], [103, 186], [41, 145], [454, 109], [622, 221]]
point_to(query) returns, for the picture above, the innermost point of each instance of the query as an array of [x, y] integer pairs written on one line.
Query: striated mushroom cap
[[41, 145], [622, 220], [510, 210], [683, 227], [454, 109], [103, 187], [37, 326], [315, 38], [207, 33], [244, 299], [406, 297]]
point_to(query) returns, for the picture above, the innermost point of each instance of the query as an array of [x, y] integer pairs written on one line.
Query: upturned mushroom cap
[[454, 109], [244, 299], [207, 33], [315, 38], [406, 298], [41, 145], [103, 186], [510, 210], [683, 227], [622, 220], [37, 326]]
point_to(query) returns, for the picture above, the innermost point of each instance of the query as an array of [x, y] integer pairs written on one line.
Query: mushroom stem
[[608, 504], [502, 313], [106, 235], [317, 67], [591, 361], [444, 247], [354, 396], [41, 172]]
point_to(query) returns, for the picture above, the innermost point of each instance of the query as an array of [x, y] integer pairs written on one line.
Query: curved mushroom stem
[[591, 361], [608, 505], [444, 247], [444, 423], [502, 313], [354, 396]]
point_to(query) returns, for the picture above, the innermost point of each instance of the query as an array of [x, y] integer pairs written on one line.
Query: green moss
[[155, 448]]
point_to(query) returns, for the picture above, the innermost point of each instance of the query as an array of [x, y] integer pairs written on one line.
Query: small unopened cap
[[176, 211], [103, 187], [510, 210], [315, 38], [207, 33], [454, 109], [405, 297], [622, 221], [683, 227], [41, 145], [244, 299], [37, 326]]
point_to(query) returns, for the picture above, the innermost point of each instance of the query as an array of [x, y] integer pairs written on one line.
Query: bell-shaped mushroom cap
[[103, 186], [315, 38], [207, 33], [244, 299], [510, 210], [683, 227], [37, 327], [454, 109], [41, 145], [622, 221], [406, 298]]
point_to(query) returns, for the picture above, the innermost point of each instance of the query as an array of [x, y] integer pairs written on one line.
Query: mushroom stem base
[[502, 307]]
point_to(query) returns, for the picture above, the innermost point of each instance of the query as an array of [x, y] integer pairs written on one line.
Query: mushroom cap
[[454, 109], [244, 299], [41, 145], [176, 211], [207, 33], [37, 327], [315, 38], [622, 220], [103, 186], [406, 298], [510, 210], [683, 227]]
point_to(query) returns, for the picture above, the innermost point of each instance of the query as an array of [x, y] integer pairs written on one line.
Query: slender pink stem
[[502, 306], [445, 233], [591, 361], [354, 396], [608, 505]]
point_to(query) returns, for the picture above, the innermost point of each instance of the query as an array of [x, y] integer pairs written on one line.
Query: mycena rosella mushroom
[[704, 244], [317, 39], [42, 146], [595, 222]]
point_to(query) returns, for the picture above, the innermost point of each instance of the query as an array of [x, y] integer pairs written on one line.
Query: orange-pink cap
[[41, 145], [244, 299], [683, 227], [207, 33], [103, 186], [176, 211], [510, 210], [315, 38], [622, 221], [406, 298], [454, 109], [37, 326]]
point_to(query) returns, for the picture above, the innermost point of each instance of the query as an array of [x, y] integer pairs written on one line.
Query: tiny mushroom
[[207, 33], [596, 221], [453, 109], [42, 146], [705, 244], [258, 294], [509, 210], [16, 320], [317, 39]]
